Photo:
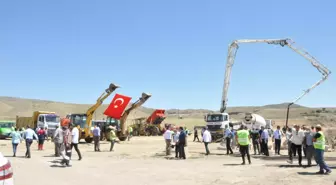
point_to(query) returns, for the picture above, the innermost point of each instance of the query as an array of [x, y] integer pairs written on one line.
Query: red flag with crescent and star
[[117, 106]]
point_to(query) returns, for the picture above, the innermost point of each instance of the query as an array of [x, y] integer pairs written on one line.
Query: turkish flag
[[117, 106]]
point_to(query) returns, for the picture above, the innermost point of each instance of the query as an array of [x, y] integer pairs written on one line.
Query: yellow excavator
[[121, 125], [83, 120]]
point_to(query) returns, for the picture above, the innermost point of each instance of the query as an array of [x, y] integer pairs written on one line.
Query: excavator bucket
[[112, 88], [145, 96], [157, 117]]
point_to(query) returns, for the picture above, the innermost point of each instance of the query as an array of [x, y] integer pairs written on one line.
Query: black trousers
[[298, 149], [207, 152], [28, 143], [277, 143], [182, 152], [244, 150], [196, 136], [228, 146], [256, 147], [264, 146], [177, 151], [77, 150]]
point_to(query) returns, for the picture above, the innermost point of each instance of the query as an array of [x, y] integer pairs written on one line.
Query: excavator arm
[[233, 47], [123, 127], [100, 100]]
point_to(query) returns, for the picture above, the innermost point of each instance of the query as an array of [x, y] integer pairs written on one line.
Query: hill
[[11, 106]]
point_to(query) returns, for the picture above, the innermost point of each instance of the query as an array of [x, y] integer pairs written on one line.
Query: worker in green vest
[[319, 145], [243, 138], [113, 137]]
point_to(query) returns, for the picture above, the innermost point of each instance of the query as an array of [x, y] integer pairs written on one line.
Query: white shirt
[[176, 137], [168, 134], [75, 135], [297, 137], [206, 136], [277, 134]]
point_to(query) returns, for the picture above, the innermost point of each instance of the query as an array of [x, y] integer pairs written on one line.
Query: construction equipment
[[233, 47], [83, 120], [150, 126], [121, 125], [40, 119]]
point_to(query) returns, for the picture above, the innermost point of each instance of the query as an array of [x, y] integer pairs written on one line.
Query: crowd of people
[[310, 141], [65, 138]]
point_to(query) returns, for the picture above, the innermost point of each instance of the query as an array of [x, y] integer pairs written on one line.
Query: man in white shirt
[[277, 140], [264, 141], [168, 137], [206, 140], [297, 139], [75, 139]]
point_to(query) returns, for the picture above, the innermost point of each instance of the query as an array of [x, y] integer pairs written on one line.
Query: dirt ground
[[142, 161]]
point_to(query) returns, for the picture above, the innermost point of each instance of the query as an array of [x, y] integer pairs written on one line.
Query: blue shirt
[[96, 131], [16, 137], [264, 134], [30, 134], [228, 133]]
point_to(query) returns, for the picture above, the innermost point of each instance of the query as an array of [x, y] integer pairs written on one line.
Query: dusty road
[[141, 161]]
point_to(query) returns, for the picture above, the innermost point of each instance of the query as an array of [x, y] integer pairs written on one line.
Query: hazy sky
[[70, 51]]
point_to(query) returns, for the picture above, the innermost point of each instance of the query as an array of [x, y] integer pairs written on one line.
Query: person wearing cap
[[206, 140], [113, 137], [243, 138], [65, 149], [319, 145], [75, 140]]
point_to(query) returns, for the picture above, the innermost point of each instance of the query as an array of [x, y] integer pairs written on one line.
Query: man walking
[[58, 140], [130, 133], [277, 140], [96, 138], [308, 142], [66, 145], [206, 140], [196, 135], [182, 143], [255, 140], [319, 145], [297, 140], [228, 136], [29, 137], [264, 141], [243, 138], [168, 137], [75, 139]]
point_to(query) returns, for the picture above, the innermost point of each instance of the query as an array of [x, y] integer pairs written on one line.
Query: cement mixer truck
[[254, 121]]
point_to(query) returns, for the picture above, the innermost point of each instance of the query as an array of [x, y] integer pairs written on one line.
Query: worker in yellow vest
[[243, 138], [319, 145]]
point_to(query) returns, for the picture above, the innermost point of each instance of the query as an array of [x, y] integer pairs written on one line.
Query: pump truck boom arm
[[99, 102], [233, 47]]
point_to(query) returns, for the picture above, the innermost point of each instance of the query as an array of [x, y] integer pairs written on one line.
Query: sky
[[70, 51]]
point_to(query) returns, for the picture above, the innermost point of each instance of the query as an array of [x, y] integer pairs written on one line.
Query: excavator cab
[[79, 120]]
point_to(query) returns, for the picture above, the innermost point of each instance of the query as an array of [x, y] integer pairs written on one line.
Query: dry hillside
[[11, 106]]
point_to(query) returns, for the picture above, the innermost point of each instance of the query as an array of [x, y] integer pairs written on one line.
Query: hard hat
[[65, 122]]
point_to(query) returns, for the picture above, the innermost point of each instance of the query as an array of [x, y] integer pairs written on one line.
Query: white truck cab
[[216, 124], [49, 121]]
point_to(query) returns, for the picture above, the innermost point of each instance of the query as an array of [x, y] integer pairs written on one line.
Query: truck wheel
[[88, 140]]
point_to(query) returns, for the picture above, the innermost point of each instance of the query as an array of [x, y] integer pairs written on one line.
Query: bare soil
[[142, 161]]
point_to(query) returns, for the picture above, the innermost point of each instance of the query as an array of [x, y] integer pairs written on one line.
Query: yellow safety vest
[[112, 135], [243, 137], [320, 142]]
